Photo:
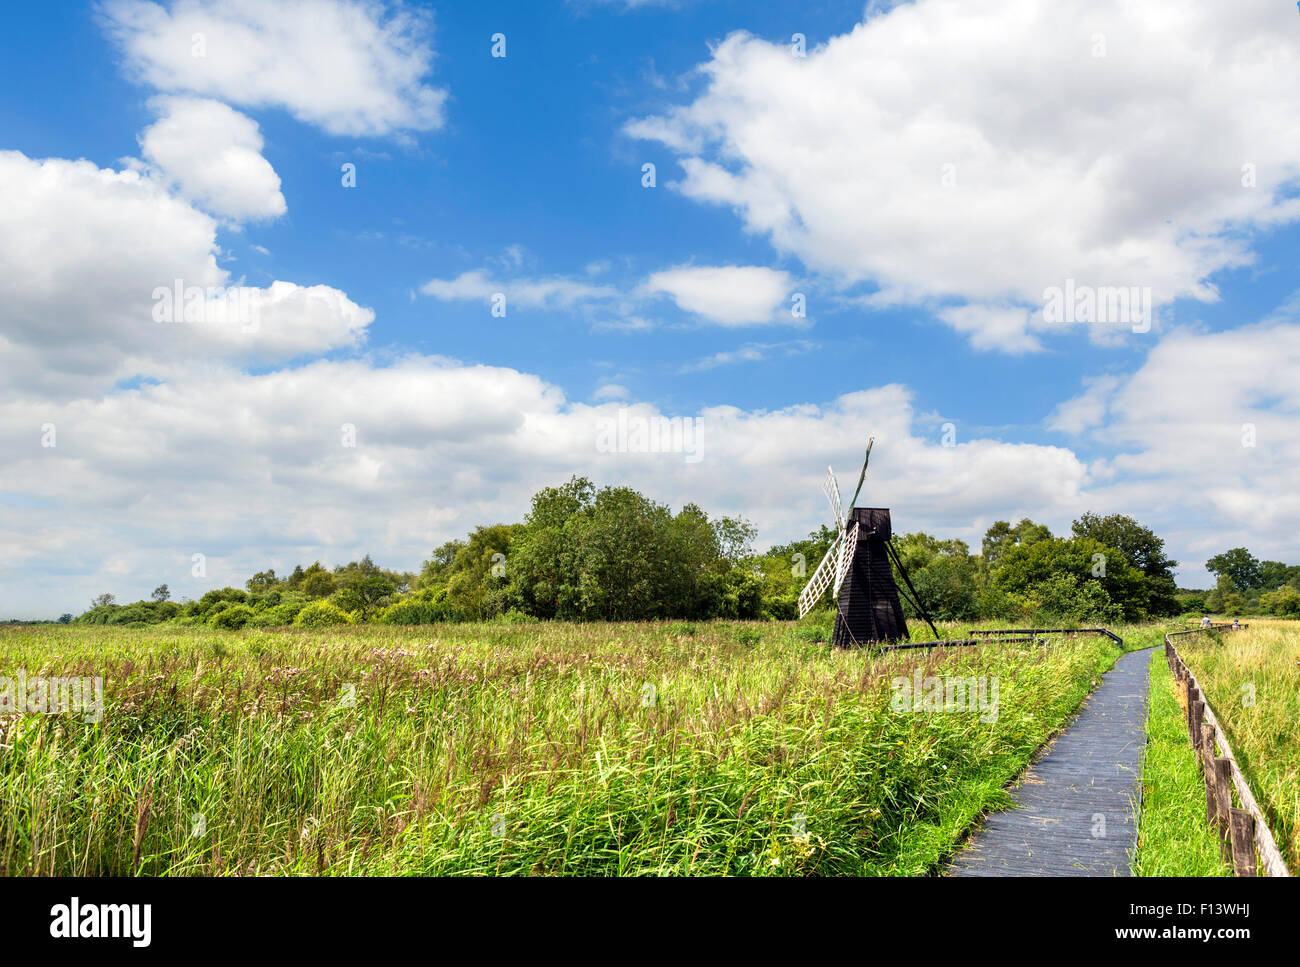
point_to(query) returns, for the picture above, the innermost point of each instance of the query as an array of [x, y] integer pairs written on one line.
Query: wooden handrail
[[1200, 711], [1048, 631]]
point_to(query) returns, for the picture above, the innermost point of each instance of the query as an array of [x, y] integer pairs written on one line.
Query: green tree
[[1284, 602], [364, 594], [437, 569], [1001, 537], [1273, 574], [161, 593], [546, 557], [479, 573], [623, 567], [1143, 549], [317, 582], [262, 580], [944, 575], [1238, 565], [785, 569], [1057, 570]]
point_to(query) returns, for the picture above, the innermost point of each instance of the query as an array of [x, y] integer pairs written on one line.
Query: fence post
[[1207, 769], [1208, 751], [1223, 805], [1243, 842]]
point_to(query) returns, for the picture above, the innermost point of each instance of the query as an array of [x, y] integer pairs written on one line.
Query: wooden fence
[[1242, 832], [962, 642]]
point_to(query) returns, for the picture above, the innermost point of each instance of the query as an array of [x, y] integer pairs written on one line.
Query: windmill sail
[[832, 489], [847, 549], [821, 578]]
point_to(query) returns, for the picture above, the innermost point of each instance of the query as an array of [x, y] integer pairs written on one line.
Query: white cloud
[[1119, 170], [541, 293], [1086, 410], [341, 65], [213, 154], [83, 253], [239, 466], [1180, 427], [729, 295], [753, 352], [722, 295]]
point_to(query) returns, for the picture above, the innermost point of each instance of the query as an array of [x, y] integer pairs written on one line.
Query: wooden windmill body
[[856, 569], [869, 609]]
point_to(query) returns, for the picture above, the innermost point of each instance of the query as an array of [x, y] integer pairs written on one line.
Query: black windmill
[[857, 569]]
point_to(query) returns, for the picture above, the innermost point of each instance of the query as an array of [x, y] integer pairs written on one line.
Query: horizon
[[435, 274]]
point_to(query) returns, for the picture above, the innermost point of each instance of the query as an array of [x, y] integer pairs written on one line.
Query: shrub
[[1285, 601], [281, 614], [425, 607], [321, 614], [233, 616], [514, 617]]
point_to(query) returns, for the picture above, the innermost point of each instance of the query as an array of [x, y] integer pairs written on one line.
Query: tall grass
[[1174, 838], [713, 748], [1252, 680]]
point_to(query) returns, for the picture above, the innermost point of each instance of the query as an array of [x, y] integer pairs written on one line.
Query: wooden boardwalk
[[1075, 807]]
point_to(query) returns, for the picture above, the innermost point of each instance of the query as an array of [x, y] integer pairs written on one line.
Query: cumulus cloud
[[87, 257], [1086, 410], [253, 470], [729, 295], [213, 154], [1205, 433], [345, 66], [970, 156]]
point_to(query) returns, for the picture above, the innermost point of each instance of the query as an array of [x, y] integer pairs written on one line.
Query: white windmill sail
[[847, 549], [821, 578], [832, 490]]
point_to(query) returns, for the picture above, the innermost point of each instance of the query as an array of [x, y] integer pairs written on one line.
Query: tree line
[[613, 554], [1245, 584]]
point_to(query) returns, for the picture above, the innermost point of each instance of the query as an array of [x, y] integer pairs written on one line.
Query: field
[[1252, 680], [718, 748]]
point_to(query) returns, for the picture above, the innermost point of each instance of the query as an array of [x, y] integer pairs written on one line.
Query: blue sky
[[1106, 162]]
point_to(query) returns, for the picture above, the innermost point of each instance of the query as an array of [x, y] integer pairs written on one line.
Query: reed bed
[[602, 749], [1252, 679]]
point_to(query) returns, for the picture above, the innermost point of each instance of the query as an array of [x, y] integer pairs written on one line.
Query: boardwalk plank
[[1085, 785]]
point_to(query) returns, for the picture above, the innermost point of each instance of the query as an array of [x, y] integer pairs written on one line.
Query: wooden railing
[[1242, 832], [998, 632], [961, 642]]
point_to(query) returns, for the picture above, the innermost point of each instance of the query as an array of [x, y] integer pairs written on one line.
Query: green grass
[[1251, 679], [485, 749], [1174, 838]]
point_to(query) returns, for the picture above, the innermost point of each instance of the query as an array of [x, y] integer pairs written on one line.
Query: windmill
[[856, 569]]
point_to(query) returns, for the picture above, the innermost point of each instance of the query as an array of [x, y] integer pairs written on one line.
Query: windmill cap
[[872, 522]]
